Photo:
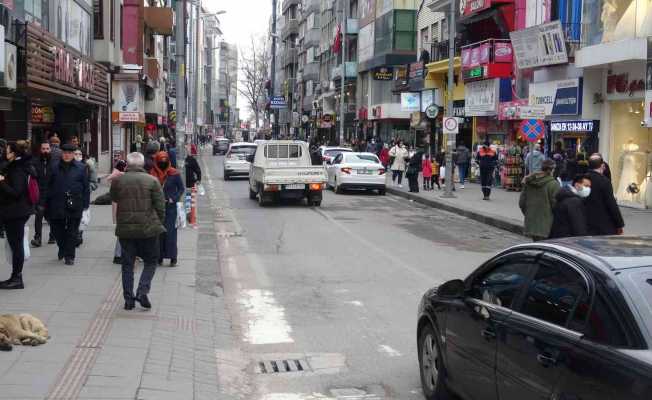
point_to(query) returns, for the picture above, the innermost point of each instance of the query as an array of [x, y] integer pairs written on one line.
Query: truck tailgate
[[289, 175]]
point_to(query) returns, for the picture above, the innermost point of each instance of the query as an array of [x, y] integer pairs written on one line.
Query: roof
[[244, 144], [617, 252]]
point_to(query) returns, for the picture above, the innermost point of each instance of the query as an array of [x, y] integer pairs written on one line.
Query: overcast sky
[[242, 18]]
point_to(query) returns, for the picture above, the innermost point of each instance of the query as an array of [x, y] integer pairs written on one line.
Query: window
[[554, 292], [404, 30], [603, 326], [362, 158], [424, 40], [434, 32], [35, 10], [282, 151], [383, 34], [112, 19], [502, 284], [121, 26], [98, 19]]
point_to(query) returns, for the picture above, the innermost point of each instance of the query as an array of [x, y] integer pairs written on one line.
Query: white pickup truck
[[283, 169]]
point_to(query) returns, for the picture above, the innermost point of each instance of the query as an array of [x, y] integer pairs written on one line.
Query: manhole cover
[[281, 366]]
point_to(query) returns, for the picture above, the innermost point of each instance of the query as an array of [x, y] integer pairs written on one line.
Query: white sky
[[242, 18]]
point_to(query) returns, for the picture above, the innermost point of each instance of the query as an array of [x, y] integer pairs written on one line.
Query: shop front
[[128, 114], [578, 136], [482, 100], [66, 93]]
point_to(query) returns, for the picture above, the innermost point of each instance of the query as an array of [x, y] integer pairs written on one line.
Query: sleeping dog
[[22, 329]]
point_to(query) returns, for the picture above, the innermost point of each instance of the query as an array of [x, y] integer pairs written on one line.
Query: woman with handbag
[[173, 192], [16, 207]]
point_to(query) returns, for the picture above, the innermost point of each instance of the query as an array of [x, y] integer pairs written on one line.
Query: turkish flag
[[337, 44]]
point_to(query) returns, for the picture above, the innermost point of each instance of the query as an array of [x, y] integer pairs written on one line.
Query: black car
[[565, 320], [221, 146]]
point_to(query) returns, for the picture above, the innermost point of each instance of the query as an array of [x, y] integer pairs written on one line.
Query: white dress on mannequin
[[636, 21], [629, 174]]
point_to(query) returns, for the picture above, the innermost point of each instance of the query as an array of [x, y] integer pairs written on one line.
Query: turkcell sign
[[277, 102], [558, 97]]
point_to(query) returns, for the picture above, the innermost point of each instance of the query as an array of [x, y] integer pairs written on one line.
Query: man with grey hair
[[139, 216], [534, 159]]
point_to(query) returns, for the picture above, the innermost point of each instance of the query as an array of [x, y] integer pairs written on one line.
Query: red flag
[[337, 44]]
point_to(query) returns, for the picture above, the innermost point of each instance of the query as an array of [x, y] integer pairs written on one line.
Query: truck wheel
[[252, 194], [337, 188], [316, 203], [381, 192], [261, 198]]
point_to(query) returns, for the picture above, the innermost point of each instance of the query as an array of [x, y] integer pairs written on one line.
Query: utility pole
[[273, 70], [343, 71], [180, 56], [450, 139], [197, 70]]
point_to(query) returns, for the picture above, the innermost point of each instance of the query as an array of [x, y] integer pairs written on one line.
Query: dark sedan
[[560, 320]]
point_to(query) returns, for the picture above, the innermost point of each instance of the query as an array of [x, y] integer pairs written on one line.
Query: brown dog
[[22, 329]]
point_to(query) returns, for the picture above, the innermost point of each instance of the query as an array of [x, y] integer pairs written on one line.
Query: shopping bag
[[26, 249], [8, 254], [85, 219], [201, 190], [181, 216]]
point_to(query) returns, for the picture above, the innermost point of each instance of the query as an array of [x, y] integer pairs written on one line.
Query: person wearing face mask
[[173, 192], [43, 166], [569, 212], [68, 195]]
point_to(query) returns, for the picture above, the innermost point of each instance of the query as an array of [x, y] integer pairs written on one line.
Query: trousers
[[148, 250], [486, 180], [65, 233], [397, 174], [15, 231]]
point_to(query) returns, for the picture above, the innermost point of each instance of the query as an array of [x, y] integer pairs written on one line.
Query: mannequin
[[635, 22], [631, 187]]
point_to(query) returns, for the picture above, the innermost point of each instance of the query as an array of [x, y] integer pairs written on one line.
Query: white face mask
[[78, 158], [584, 192]]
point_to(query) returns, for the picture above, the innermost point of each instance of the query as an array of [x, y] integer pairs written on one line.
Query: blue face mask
[[584, 192]]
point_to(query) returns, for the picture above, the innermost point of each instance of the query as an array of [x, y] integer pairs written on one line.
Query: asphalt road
[[335, 287]]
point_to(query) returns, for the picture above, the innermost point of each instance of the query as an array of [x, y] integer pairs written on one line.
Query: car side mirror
[[452, 289], [250, 157]]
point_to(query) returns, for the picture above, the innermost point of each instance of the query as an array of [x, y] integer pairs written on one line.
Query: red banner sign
[[468, 7]]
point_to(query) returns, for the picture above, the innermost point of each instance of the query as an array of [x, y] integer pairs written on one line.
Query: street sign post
[[451, 125], [432, 111]]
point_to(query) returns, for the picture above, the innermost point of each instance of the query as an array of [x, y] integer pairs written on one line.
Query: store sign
[[416, 70], [129, 117], [503, 52], [72, 70], [621, 83], [42, 114], [539, 45], [469, 7], [383, 74], [427, 99], [410, 101], [481, 98], [558, 97], [432, 111], [473, 73], [11, 67], [415, 119], [458, 108], [520, 109], [573, 126], [277, 102]]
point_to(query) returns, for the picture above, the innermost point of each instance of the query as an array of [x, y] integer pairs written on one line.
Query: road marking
[[266, 322], [387, 350], [356, 303]]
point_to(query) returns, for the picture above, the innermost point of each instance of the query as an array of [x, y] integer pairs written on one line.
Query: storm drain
[[281, 366]]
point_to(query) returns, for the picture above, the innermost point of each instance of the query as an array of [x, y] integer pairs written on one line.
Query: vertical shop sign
[[648, 85]]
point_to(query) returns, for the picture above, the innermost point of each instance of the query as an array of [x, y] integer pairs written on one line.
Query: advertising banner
[[481, 98], [539, 45], [558, 97], [503, 52], [410, 101]]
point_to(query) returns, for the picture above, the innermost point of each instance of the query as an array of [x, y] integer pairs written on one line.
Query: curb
[[495, 221]]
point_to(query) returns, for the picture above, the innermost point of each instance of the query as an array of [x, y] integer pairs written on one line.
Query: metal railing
[[439, 51]]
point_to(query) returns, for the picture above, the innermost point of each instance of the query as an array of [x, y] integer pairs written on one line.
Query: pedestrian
[[140, 211], [487, 160], [537, 201], [191, 166], [383, 155], [173, 191], [602, 211], [151, 148], [68, 195], [569, 212], [463, 161], [3, 161], [398, 156], [434, 180], [533, 160], [413, 169], [426, 172], [371, 146], [15, 206], [118, 171], [91, 174], [569, 168], [172, 152], [43, 167], [55, 149]]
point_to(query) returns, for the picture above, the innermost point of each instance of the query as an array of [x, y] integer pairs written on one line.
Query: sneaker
[[70, 261], [461, 186], [36, 242], [60, 256], [400, 186], [173, 262], [130, 304], [51, 240], [144, 301]]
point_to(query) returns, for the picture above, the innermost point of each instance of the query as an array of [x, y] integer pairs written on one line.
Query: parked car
[[221, 146], [356, 171], [566, 319], [235, 162], [282, 169], [328, 153]]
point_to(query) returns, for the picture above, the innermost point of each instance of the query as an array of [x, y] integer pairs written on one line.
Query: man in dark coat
[[3, 161], [569, 212], [487, 159], [191, 166], [43, 167], [602, 211], [140, 212], [68, 195]]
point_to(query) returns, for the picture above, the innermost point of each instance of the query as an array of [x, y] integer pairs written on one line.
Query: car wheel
[[315, 203], [431, 366], [336, 188], [252, 194], [226, 176], [382, 192]]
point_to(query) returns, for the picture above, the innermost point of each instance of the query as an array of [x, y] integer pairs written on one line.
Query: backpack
[[33, 193]]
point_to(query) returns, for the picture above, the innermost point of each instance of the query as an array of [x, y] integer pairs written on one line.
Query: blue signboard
[[278, 102], [562, 97]]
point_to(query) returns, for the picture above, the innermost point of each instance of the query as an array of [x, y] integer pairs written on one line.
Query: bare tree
[[254, 64]]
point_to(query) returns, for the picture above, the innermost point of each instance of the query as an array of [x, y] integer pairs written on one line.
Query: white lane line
[[356, 303], [387, 350], [266, 322]]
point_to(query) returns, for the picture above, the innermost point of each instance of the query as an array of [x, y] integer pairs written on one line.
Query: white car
[[356, 171], [328, 153], [235, 161]]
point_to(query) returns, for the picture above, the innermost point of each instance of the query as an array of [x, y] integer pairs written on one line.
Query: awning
[[441, 67]]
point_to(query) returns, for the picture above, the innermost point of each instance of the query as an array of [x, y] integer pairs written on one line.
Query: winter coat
[[426, 168], [602, 211], [140, 209], [193, 172], [537, 200], [569, 215], [400, 155], [533, 161], [415, 164], [43, 168], [435, 167], [463, 155], [487, 158], [384, 156], [72, 179], [14, 197], [173, 189]]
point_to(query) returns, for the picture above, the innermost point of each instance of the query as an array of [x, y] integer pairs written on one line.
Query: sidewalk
[[502, 210], [97, 350]]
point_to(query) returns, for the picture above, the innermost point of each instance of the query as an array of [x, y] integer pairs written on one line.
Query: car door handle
[[546, 360], [488, 334]]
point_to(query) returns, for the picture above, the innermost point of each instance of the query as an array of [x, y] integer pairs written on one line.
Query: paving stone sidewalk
[[502, 210], [100, 351]]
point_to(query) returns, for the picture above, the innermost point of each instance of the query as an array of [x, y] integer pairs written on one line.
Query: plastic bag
[[181, 216], [201, 190], [26, 249], [85, 219]]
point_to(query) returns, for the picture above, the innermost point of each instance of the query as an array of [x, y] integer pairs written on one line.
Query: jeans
[[15, 231], [38, 222], [65, 232], [486, 180], [397, 174], [462, 170], [148, 250]]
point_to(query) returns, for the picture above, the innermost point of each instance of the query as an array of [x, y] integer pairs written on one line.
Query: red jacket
[[384, 156], [426, 168]]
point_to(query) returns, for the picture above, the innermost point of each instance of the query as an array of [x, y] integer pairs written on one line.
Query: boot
[[51, 239], [15, 282], [36, 242]]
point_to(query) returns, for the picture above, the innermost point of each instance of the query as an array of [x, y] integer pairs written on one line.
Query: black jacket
[[193, 172], [43, 169], [67, 181], [602, 212], [14, 199], [568, 215]]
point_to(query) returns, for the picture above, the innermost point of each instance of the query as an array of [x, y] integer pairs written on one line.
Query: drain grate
[[281, 366]]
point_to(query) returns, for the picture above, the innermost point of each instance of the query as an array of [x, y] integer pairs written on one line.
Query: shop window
[[404, 30], [34, 10], [98, 19], [607, 21], [383, 34]]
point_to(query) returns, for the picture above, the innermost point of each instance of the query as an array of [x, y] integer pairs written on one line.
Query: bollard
[[193, 207]]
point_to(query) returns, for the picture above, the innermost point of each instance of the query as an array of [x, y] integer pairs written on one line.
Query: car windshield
[[362, 158], [334, 152], [638, 283], [243, 150], [283, 151]]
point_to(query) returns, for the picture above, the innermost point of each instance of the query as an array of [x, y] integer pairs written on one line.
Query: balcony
[[352, 26], [602, 44], [288, 3], [488, 59], [290, 56], [312, 38], [290, 28], [439, 51], [351, 70], [159, 20], [310, 72]]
